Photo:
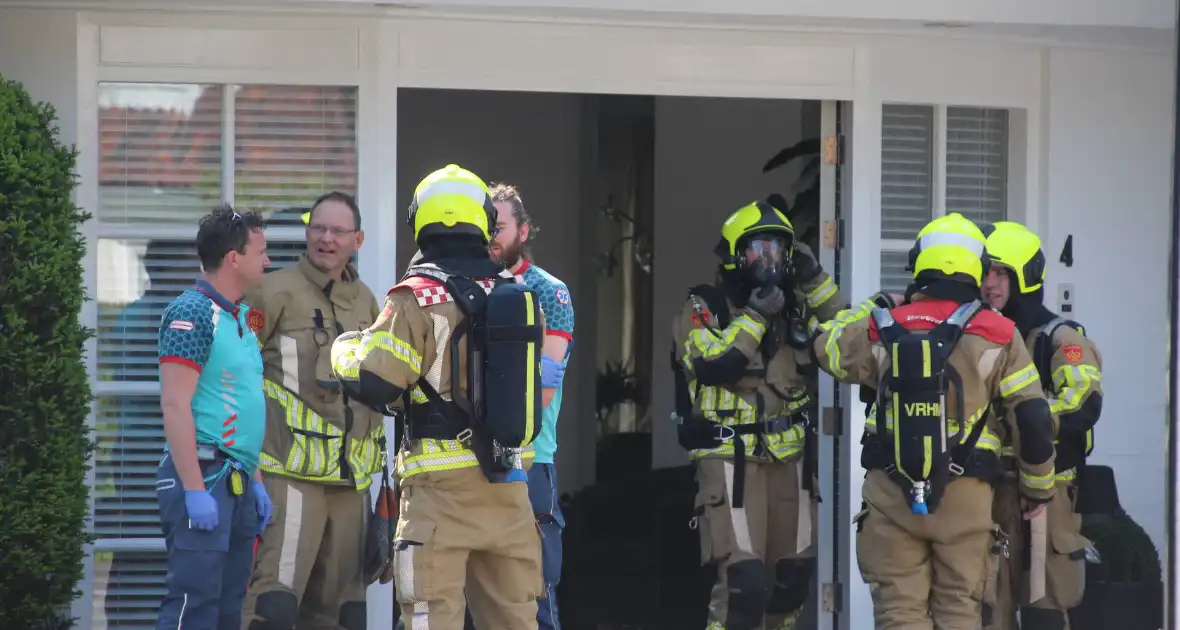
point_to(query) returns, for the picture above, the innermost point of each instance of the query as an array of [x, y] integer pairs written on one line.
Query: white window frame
[[148, 231], [376, 126], [1014, 178]]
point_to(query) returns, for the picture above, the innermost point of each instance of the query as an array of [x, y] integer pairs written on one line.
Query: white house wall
[[1109, 144], [1097, 138]]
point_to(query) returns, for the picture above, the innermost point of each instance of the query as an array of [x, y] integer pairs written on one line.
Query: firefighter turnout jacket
[[1070, 368], [314, 431], [736, 376], [998, 379], [410, 346]]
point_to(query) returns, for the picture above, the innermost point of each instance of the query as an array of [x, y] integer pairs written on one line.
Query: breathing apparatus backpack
[[912, 398], [499, 410]]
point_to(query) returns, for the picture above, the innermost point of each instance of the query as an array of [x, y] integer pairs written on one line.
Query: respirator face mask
[[766, 258]]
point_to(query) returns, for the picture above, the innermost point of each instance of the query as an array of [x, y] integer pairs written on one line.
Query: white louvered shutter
[[161, 169], [977, 163], [907, 185], [907, 170]]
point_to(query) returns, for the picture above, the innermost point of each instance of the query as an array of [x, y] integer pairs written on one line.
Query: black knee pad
[[747, 595], [1041, 619], [792, 583], [354, 616], [279, 610]]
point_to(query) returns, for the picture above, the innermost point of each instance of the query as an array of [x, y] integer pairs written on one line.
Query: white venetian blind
[[907, 167], [161, 168], [977, 163], [159, 158], [894, 277], [292, 144]]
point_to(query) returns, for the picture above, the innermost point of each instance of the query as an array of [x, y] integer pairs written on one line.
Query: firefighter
[[321, 448], [465, 520], [925, 540], [740, 360], [1070, 369]]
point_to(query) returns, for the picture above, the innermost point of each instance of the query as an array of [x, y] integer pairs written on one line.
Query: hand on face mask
[[767, 302], [806, 266]]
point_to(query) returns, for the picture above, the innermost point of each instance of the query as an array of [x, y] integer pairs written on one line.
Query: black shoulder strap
[[1043, 348], [715, 300], [887, 327], [951, 329]]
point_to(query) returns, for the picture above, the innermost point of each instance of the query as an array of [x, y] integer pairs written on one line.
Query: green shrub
[[1127, 553], [45, 396]]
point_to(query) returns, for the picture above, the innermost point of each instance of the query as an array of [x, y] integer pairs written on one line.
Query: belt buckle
[[956, 469], [206, 452], [721, 436]]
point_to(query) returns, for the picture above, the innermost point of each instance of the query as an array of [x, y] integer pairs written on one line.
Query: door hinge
[[833, 234], [833, 150], [833, 421], [832, 597]]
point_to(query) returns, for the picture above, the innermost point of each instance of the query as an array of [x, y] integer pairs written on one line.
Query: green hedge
[[45, 397]]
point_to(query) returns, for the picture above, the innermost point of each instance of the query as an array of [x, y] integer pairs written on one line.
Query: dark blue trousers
[[208, 571], [543, 496]]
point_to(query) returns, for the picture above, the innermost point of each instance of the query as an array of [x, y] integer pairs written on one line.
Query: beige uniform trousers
[[310, 561], [928, 571], [1064, 561], [464, 541], [773, 525]]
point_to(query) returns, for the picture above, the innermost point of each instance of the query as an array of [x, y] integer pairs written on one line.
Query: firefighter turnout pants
[[308, 573], [764, 550], [461, 542], [929, 571], [1063, 563]]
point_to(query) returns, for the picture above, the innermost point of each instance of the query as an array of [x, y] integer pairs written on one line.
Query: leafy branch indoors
[[803, 207]]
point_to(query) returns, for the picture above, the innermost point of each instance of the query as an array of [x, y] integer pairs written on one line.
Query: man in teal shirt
[[210, 492], [514, 227]]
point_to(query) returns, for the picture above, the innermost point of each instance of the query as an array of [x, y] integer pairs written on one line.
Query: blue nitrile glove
[[202, 510], [262, 504], [551, 373]]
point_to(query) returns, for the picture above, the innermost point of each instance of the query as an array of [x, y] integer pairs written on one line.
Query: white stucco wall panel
[[301, 49], [1132, 13], [1109, 185], [915, 70], [585, 58]]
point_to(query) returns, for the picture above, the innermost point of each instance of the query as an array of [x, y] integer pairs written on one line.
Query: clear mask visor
[[766, 257]]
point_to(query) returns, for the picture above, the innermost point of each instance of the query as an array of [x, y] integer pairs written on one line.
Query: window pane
[[292, 144], [159, 152], [977, 163], [128, 589], [894, 277], [907, 159], [137, 278], [129, 431]]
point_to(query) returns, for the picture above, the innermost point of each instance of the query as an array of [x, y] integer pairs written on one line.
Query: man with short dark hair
[[322, 448], [212, 501], [514, 229]]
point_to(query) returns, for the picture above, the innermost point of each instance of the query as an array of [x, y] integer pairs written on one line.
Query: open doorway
[[629, 193]]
